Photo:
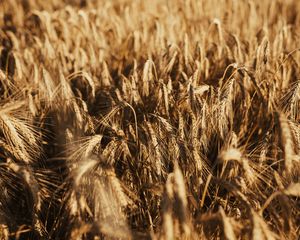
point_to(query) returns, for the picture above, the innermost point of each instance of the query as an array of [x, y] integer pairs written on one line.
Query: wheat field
[[150, 119]]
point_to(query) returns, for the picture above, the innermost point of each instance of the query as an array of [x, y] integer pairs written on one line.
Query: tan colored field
[[150, 119]]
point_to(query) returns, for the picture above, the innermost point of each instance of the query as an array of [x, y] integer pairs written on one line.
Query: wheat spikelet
[[250, 175], [155, 145], [147, 78], [181, 126], [86, 148], [290, 102], [49, 50], [166, 99], [66, 91], [231, 154], [121, 197], [109, 208], [168, 231], [171, 63], [15, 135], [293, 190], [286, 142], [106, 78], [110, 152], [48, 85], [224, 108], [84, 168], [4, 232], [260, 228], [262, 54], [195, 144], [204, 132], [181, 199], [227, 226]]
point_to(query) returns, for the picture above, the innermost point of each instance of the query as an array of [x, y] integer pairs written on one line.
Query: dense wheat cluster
[[150, 119]]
